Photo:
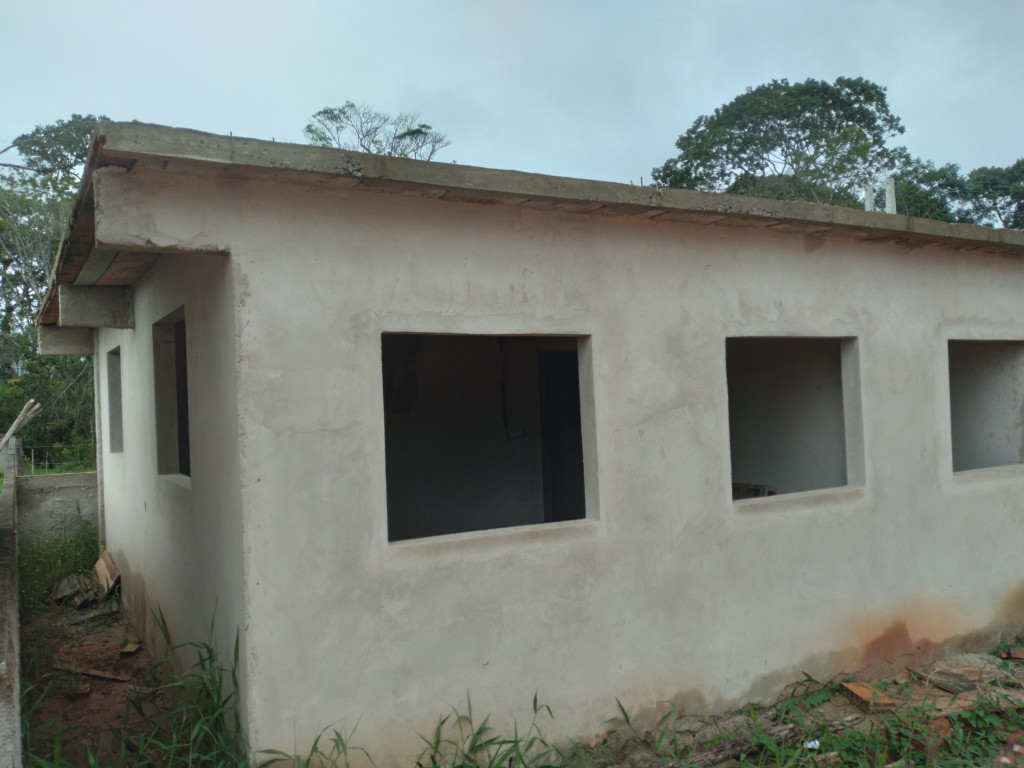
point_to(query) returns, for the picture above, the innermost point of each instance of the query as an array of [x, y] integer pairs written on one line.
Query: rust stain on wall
[[892, 643], [1011, 610]]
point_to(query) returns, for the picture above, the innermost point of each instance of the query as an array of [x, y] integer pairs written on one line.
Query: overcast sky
[[587, 88]]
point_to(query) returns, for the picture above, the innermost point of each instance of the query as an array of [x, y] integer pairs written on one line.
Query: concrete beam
[[65, 341], [128, 218], [94, 267], [96, 307]]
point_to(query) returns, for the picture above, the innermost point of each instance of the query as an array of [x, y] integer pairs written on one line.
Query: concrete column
[[890, 195]]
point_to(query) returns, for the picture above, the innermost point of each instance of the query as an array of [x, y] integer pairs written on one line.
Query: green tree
[[997, 195], [360, 128], [814, 141], [52, 156], [927, 191], [37, 189]]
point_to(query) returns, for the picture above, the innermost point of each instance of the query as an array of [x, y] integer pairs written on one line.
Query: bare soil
[[81, 709], [64, 657]]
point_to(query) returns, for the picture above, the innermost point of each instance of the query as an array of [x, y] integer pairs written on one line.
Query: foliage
[[43, 560], [459, 739], [36, 194], [192, 720], [814, 141], [998, 194], [198, 729], [62, 384], [335, 754], [361, 128], [926, 191], [30, 231], [52, 155]]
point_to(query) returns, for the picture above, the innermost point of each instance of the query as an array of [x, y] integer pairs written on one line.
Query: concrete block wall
[[50, 503], [10, 713]]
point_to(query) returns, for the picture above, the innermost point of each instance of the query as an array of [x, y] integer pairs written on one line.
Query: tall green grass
[[188, 719], [45, 559]]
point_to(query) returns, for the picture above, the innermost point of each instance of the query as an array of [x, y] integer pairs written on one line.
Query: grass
[[190, 718], [183, 719], [198, 726], [58, 459], [43, 560]]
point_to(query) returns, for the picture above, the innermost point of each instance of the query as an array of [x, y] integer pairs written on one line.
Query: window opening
[[792, 416], [115, 424], [170, 368], [480, 432], [986, 402]]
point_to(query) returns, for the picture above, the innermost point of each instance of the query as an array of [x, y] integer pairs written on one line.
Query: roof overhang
[[83, 263]]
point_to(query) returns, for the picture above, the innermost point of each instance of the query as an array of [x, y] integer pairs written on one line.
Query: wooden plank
[[70, 587], [130, 649], [118, 676], [104, 609], [944, 679], [867, 697], [1014, 654], [107, 573], [126, 268]]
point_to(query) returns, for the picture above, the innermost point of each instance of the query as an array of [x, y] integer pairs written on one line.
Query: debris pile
[[914, 718], [92, 597]]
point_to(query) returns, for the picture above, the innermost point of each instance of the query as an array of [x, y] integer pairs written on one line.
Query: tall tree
[[37, 188], [814, 141], [997, 194], [52, 156], [360, 128], [927, 191]]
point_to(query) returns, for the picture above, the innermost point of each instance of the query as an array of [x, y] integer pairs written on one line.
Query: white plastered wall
[[669, 590], [177, 541]]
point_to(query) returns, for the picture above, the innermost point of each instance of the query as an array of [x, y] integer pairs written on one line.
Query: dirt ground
[[71, 660], [82, 668]]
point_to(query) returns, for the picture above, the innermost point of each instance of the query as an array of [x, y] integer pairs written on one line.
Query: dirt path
[[80, 672]]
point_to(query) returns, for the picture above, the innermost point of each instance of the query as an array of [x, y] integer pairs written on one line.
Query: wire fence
[[59, 459]]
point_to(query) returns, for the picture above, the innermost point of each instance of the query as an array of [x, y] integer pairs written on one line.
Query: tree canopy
[[814, 140], [998, 194], [927, 191], [824, 142], [37, 188], [360, 128]]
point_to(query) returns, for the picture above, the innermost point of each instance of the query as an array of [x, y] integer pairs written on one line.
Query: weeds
[[191, 720], [334, 755], [45, 559], [459, 740]]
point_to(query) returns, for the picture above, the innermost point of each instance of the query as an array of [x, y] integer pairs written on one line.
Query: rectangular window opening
[[170, 371], [794, 414], [986, 400], [115, 426], [481, 432]]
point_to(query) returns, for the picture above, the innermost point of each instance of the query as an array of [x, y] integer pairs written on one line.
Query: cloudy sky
[[587, 88]]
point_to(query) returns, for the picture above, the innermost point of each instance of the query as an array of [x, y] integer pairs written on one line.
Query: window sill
[[967, 480], [484, 542], [801, 501], [182, 481]]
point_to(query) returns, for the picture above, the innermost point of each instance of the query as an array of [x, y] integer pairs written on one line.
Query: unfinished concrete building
[[417, 430]]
